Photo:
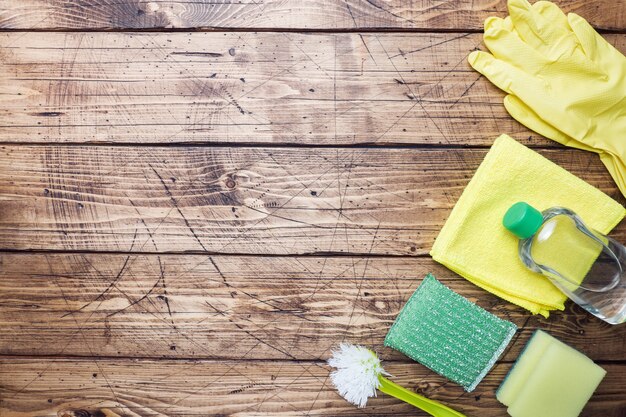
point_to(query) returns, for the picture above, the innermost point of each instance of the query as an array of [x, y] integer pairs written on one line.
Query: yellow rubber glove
[[564, 80]]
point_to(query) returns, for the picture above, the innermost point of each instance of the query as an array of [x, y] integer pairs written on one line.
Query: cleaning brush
[[359, 374]]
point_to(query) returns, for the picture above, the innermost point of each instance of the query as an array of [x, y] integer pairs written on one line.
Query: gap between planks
[[201, 253], [371, 30], [282, 145], [79, 358]]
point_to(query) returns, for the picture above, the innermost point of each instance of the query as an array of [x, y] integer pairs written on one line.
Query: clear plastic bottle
[[586, 265]]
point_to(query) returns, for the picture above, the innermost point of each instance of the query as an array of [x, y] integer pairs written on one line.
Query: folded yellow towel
[[473, 242]]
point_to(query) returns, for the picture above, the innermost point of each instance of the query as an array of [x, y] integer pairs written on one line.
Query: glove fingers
[[592, 43], [525, 24], [534, 91], [551, 13], [502, 74], [543, 26], [526, 116], [551, 21], [505, 44]]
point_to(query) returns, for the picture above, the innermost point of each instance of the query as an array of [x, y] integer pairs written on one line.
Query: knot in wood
[[230, 183], [423, 388], [74, 413]]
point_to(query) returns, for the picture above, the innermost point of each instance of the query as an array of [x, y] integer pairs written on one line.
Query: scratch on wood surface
[[469, 87], [431, 45], [195, 53], [107, 289], [165, 296], [175, 204], [382, 9]]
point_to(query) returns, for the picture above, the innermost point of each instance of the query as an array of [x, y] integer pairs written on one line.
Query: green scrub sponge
[[449, 334]]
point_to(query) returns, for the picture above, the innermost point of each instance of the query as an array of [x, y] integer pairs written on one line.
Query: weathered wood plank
[[232, 307], [249, 88], [241, 200], [204, 388], [275, 14]]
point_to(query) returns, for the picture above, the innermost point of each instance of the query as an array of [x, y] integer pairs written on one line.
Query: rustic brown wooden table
[[198, 199]]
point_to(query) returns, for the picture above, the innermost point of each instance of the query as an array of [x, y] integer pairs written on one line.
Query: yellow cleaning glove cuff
[[564, 80]]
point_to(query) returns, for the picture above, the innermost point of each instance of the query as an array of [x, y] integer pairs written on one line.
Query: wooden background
[[199, 199]]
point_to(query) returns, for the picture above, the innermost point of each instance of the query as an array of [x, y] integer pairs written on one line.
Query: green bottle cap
[[522, 219]]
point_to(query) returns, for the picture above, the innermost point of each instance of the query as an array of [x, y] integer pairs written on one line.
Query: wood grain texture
[[239, 308], [281, 14], [288, 88], [111, 388], [213, 280], [242, 200]]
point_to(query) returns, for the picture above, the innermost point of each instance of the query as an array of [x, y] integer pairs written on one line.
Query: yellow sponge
[[549, 379]]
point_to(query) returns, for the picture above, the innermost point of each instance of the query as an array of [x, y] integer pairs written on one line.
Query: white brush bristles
[[356, 376]]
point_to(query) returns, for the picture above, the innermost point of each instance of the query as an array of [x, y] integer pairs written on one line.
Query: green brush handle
[[432, 407]]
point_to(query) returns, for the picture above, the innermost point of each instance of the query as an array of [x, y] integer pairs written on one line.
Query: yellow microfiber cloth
[[474, 243]]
